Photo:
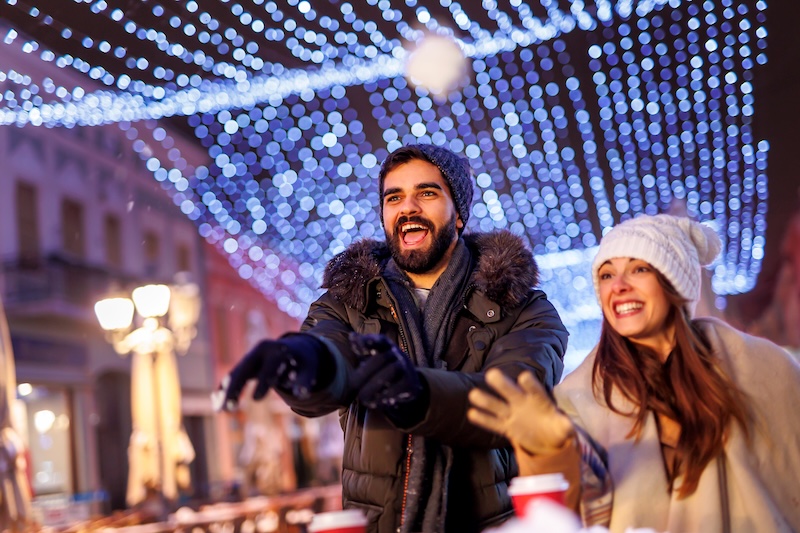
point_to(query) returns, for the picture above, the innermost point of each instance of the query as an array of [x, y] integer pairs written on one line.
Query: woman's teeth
[[628, 307]]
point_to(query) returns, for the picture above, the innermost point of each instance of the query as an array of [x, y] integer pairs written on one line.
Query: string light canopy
[[574, 115]]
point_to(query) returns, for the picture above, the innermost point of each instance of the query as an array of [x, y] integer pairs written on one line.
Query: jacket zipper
[[467, 291], [409, 448]]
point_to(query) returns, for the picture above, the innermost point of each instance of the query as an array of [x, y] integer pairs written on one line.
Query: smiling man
[[406, 329], [420, 217]]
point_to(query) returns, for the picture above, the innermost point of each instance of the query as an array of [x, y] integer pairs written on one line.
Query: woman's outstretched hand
[[524, 413]]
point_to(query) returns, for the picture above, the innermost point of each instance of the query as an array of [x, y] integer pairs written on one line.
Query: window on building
[[152, 246], [112, 230], [72, 230], [184, 259], [27, 202]]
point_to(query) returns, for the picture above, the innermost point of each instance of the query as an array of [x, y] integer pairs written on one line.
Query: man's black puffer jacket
[[503, 323]]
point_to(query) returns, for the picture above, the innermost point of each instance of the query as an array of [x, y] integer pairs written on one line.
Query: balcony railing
[[56, 285]]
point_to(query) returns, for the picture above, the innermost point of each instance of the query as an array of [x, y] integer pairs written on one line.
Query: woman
[[671, 423]]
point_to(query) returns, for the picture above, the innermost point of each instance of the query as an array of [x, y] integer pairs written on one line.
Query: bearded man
[[405, 330]]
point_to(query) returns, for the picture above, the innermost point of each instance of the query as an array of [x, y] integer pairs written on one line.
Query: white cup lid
[[540, 483], [337, 519]]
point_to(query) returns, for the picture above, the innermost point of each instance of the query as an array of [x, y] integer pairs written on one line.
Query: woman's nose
[[620, 284]]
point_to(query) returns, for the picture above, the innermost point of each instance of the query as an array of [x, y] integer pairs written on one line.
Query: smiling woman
[[635, 304], [671, 422]]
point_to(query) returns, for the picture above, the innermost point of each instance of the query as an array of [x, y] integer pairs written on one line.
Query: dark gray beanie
[[454, 168]]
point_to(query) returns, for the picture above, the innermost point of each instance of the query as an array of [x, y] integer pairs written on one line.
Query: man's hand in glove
[[296, 365], [385, 377]]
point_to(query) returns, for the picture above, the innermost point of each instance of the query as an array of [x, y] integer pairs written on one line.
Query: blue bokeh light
[[571, 123]]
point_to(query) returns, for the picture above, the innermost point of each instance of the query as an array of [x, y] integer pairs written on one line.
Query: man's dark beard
[[422, 261]]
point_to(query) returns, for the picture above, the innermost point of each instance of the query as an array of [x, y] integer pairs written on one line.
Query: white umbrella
[[159, 450], [14, 489]]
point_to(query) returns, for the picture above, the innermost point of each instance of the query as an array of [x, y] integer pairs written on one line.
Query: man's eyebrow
[[428, 185], [418, 187]]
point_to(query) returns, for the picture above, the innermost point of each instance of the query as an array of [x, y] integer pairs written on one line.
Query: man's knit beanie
[[675, 246], [455, 171]]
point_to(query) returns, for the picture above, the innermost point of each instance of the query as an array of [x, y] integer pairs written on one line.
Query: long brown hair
[[690, 388]]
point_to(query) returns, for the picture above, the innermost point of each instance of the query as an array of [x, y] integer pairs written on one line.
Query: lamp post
[[159, 451]]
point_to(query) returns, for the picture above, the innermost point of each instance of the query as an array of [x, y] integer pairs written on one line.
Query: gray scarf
[[428, 334]]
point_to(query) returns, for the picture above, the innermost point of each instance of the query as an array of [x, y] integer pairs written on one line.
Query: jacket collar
[[504, 274]]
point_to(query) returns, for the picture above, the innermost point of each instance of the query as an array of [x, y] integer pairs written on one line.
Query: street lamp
[[159, 451]]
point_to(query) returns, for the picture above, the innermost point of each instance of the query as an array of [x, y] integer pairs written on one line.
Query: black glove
[[293, 364], [385, 377]]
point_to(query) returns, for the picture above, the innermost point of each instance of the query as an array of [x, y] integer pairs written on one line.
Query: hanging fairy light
[[571, 121]]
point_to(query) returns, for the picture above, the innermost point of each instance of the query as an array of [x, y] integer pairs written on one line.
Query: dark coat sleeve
[[535, 342], [328, 321]]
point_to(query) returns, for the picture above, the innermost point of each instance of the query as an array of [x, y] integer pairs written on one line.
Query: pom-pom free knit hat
[[675, 246], [455, 171]]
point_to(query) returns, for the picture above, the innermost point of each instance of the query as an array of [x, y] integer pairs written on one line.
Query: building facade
[[80, 216]]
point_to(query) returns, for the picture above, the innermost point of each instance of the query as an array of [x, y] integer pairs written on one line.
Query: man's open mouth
[[413, 233]]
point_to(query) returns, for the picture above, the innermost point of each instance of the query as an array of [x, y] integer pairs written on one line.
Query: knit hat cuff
[[633, 244]]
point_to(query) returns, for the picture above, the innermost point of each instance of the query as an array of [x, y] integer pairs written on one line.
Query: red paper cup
[[524, 490], [347, 521]]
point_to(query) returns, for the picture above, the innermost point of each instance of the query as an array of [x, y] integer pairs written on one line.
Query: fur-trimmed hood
[[505, 271]]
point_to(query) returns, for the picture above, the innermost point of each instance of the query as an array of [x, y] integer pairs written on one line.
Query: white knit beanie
[[675, 246]]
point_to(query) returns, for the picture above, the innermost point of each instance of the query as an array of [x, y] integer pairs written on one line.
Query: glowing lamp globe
[[114, 313], [151, 300]]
